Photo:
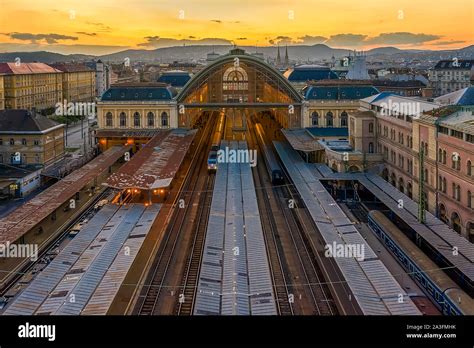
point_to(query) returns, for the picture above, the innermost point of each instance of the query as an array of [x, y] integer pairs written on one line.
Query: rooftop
[[333, 90], [26, 68], [23, 121], [303, 73], [176, 78], [453, 64], [463, 97], [139, 91], [328, 131], [71, 67]]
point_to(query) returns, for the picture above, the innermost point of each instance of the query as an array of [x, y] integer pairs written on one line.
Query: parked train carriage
[[215, 144], [434, 281], [273, 168]]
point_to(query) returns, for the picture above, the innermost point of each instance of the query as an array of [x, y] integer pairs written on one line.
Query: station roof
[[175, 78], [139, 91], [21, 220], [301, 140], [156, 164]]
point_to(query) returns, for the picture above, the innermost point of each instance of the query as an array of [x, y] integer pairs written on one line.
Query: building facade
[[78, 82], [451, 75], [329, 102], [131, 112], [2, 94], [29, 139], [28, 85]]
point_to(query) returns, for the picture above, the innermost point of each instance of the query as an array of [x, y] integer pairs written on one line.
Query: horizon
[[80, 27]]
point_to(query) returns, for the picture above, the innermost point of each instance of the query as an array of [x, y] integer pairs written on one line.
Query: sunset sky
[[106, 26]]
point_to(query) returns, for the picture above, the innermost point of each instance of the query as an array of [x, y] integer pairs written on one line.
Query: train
[[215, 145], [274, 170], [437, 285]]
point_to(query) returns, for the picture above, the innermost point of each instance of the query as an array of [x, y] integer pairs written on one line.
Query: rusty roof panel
[[156, 164], [28, 215]]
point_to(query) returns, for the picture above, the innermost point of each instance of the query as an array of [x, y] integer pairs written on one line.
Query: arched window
[[456, 222], [123, 119], [371, 127], [315, 119], [344, 119], [444, 156], [136, 119], [401, 185], [442, 213], [469, 168], [164, 119], [394, 179], [440, 155], [445, 185], [150, 119], [329, 119], [409, 190], [109, 122], [371, 147]]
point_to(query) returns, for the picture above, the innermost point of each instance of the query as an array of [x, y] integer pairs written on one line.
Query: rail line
[[161, 264], [193, 264]]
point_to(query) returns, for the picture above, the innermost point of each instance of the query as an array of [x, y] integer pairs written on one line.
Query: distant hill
[[198, 52]]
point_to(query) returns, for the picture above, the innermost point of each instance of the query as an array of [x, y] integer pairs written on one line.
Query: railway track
[[297, 230], [281, 286], [190, 190], [193, 264]]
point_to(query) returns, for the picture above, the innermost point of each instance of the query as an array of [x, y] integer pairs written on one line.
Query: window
[[37, 158], [315, 119], [440, 155], [136, 119], [469, 168], [344, 119], [109, 120], [444, 156], [371, 147], [164, 119], [329, 119], [445, 185], [12, 141], [36, 142], [23, 141], [371, 127], [150, 119], [469, 199], [123, 119]]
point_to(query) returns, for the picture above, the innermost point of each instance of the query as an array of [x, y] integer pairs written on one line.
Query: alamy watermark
[[66, 108], [11, 250], [411, 108], [356, 251], [227, 155]]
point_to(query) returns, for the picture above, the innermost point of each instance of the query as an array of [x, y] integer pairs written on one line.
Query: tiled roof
[[328, 131], [175, 78], [462, 97], [71, 67], [15, 120], [139, 91], [304, 73], [26, 68], [449, 64], [342, 92]]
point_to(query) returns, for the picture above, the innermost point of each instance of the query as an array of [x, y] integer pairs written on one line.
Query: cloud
[[100, 27], [444, 43], [346, 40], [216, 20], [401, 38], [311, 40], [85, 33], [281, 40], [241, 38], [159, 42], [34, 38]]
